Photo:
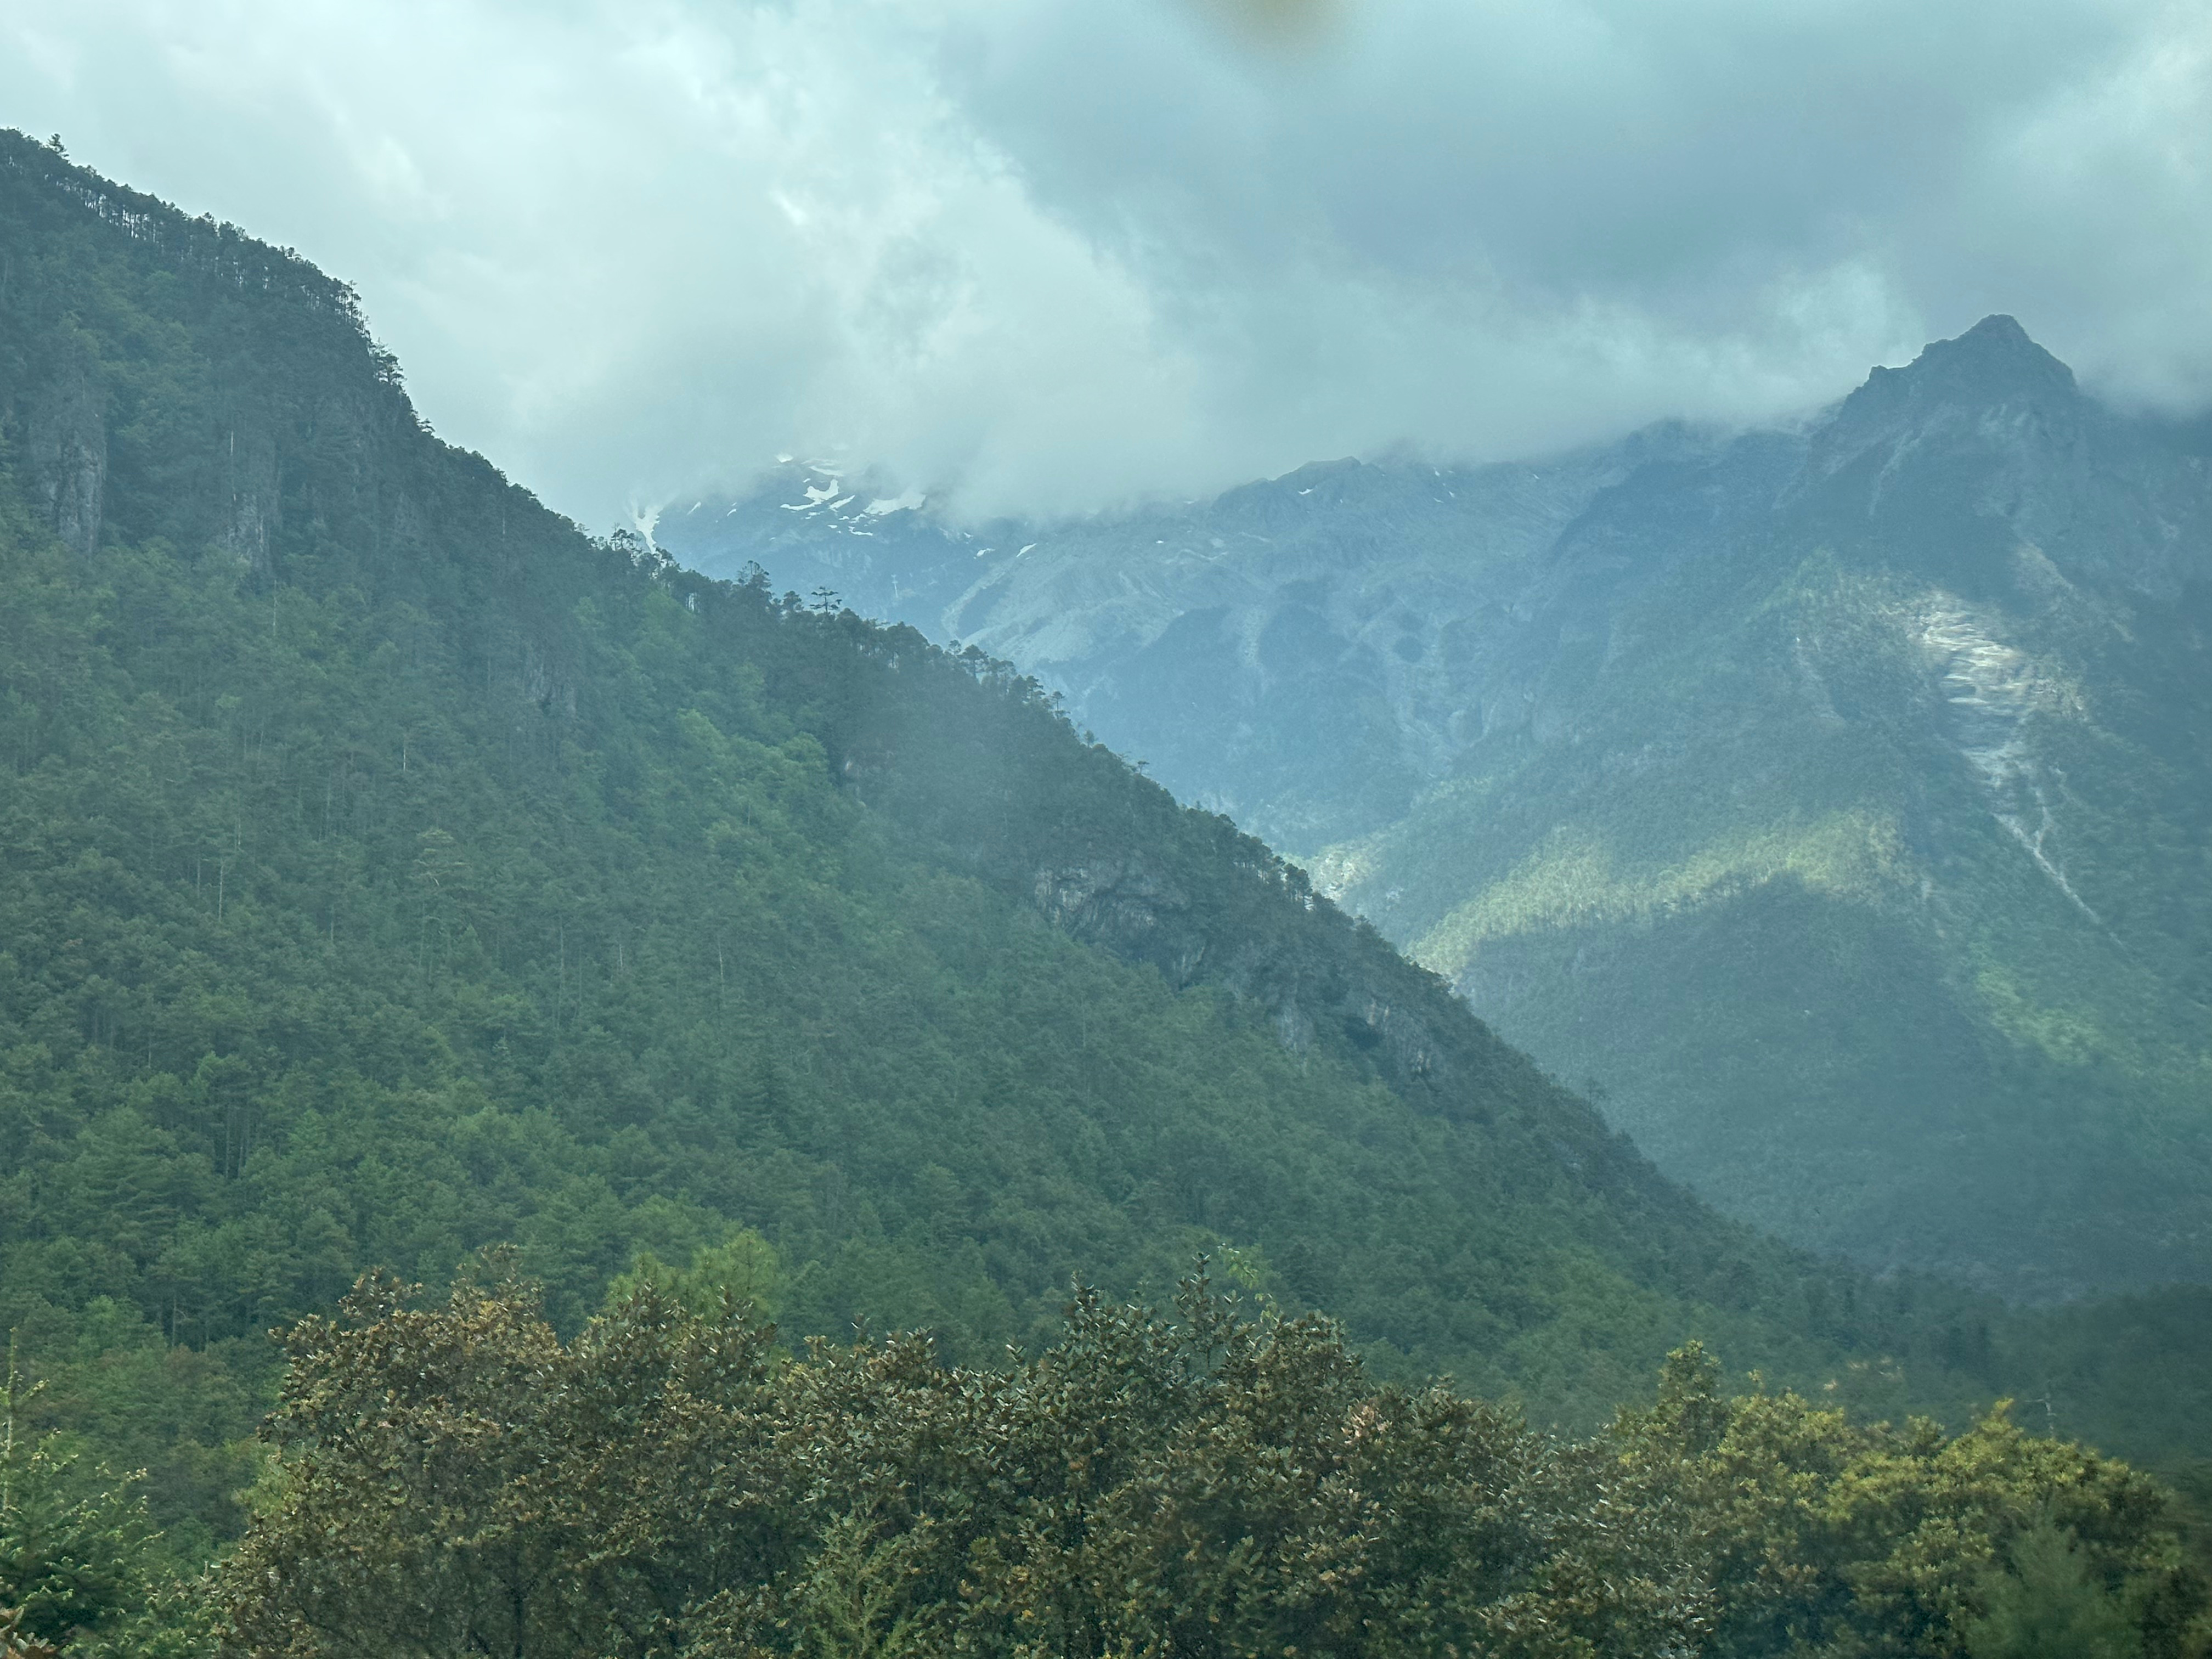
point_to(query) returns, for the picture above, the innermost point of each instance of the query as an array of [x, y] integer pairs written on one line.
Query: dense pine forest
[[395, 878]]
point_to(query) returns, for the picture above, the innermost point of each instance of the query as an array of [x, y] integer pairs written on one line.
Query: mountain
[[389, 869], [1831, 802]]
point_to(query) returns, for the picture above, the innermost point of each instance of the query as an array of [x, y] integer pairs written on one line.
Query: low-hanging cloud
[[1048, 253]]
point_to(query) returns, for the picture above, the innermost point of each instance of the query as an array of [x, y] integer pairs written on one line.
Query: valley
[[1828, 800]]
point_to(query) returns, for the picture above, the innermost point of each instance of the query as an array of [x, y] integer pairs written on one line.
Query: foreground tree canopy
[[455, 1479]]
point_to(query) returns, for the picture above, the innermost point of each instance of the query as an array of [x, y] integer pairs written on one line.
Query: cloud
[[1050, 253]]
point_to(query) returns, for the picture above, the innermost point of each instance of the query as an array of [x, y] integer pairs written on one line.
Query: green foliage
[[1850, 1538], [68, 1557], [389, 870], [2047, 1603], [854, 1602], [83, 1569], [742, 1271], [459, 1481]]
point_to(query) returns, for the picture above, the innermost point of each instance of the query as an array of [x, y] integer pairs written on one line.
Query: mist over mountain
[[1054, 255], [1832, 800]]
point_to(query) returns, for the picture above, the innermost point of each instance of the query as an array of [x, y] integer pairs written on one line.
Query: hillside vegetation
[[388, 870]]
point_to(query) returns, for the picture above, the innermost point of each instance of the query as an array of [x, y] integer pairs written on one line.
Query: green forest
[[393, 873]]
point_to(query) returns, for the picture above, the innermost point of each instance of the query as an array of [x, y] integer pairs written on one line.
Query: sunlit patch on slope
[[1575, 880], [2072, 1037]]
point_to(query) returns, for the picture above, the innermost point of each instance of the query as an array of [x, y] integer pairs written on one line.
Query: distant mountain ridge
[[1833, 799]]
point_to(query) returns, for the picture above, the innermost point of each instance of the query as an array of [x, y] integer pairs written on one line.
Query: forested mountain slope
[[1835, 800], [390, 869]]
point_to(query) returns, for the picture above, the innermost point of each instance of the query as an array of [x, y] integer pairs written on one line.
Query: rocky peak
[[1978, 435], [1993, 361], [1988, 380]]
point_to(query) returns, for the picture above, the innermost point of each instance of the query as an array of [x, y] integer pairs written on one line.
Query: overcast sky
[[1050, 253]]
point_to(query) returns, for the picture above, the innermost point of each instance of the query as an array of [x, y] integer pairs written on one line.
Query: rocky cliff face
[[61, 417], [95, 439], [1306, 984], [1834, 799]]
